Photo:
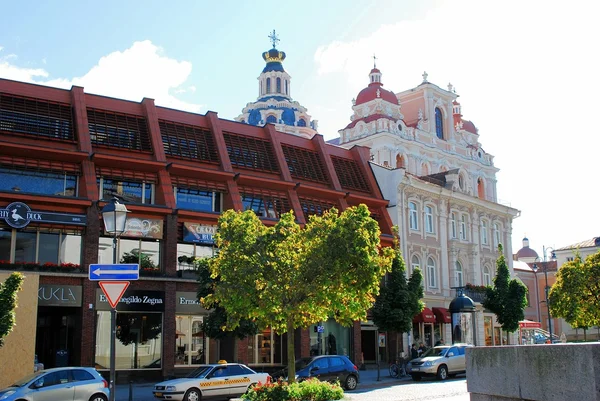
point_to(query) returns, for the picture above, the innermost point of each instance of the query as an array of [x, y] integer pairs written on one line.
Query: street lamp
[[535, 260], [114, 215]]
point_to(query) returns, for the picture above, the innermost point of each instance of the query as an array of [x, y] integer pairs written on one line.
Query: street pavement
[[370, 379]]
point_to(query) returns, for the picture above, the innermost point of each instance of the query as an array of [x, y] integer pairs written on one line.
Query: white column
[[443, 237]]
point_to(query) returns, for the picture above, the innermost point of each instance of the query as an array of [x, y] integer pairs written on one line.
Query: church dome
[[375, 90], [274, 59]]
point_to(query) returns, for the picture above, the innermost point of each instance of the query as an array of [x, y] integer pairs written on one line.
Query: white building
[[441, 184]]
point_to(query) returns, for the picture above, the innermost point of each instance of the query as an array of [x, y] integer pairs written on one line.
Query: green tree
[[213, 324], [576, 294], [8, 303], [286, 277], [507, 298], [399, 299]]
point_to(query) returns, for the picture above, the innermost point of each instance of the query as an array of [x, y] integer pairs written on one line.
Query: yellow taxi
[[219, 380]]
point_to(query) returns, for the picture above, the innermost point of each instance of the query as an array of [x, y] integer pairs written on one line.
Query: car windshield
[[435, 351], [302, 363], [200, 372], [26, 379]]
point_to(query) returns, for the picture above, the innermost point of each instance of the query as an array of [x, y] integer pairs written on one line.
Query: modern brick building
[[65, 153]]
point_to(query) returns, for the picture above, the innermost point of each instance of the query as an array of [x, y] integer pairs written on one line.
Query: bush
[[308, 390]]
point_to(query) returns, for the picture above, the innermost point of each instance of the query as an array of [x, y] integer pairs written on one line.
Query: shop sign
[[59, 295], [199, 233], [134, 301], [188, 303], [19, 215], [142, 228]]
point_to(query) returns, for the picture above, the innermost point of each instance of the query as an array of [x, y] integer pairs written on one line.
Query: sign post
[[114, 280]]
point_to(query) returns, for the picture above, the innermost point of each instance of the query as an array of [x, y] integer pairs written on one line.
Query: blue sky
[[526, 73]]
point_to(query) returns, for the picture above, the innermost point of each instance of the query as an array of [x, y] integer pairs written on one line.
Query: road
[[426, 390]]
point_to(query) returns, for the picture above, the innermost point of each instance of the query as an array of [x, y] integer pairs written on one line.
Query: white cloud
[[527, 76], [137, 72]]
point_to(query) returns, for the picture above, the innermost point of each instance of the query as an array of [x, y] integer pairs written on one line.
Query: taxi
[[219, 380]]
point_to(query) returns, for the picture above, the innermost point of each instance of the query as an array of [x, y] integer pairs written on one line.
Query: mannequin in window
[[331, 345]]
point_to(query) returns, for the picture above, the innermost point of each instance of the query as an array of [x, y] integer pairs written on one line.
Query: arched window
[[484, 232], [487, 277], [480, 189], [400, 161], [272, 119], [459, 274], [301, 122], [496, 235], [453, 230], [415, 263], [463, 227], [413, 216], [286, 88], [461, 182], [439, 123], [431, 273], [424, 169], [429, 228], [278, 85], [268, 85]]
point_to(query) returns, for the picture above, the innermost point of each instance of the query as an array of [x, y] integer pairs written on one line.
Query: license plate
[[416, 369], [158, 394]]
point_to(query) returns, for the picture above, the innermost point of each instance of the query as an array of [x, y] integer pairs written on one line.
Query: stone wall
[[17, 354], [558, 372]]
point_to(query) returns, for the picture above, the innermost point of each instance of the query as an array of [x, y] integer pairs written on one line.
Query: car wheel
[[416, 378], [193, 394], [442, 373], [98, 397], [351, 382]]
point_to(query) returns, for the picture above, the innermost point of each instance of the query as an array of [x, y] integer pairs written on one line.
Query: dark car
[[329, 368]]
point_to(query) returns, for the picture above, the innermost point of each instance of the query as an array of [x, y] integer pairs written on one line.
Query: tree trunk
[[291, 352]]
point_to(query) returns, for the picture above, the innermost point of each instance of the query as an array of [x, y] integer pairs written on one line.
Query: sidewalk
[[368, 380]]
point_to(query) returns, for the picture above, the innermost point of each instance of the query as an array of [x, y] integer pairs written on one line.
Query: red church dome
[[375, 90]]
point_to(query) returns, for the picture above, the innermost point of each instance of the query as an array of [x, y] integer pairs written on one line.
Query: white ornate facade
[[442, 189]]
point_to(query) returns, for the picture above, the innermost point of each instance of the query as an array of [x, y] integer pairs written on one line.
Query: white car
[[220, 380]]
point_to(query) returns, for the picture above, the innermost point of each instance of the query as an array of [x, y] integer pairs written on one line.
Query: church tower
[[275, 104]]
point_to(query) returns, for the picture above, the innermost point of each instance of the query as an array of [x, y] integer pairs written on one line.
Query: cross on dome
[[274, 39], [425, 75], [374, 61]]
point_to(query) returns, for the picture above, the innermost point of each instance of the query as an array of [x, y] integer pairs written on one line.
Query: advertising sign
[[142, 228], [199, 233], [19, 215]]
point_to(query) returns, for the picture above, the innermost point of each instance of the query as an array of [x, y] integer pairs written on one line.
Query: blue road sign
[[119, 272]]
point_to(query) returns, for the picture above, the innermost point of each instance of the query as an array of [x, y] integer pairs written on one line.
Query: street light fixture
[[535, 260], [114, 215]]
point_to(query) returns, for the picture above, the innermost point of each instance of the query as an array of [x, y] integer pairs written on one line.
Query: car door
[[239, 380], [216, 383], [319, 368], [337, 369], [84, 384], [52, 387], [453, 359]]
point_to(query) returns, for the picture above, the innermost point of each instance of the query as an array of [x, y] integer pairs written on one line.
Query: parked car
[[329, 368], [441, 361], [219, 380], [69, 383]]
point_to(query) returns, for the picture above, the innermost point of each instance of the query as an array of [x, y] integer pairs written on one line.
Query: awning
[[426, 316], [442, 315], [529, 324]]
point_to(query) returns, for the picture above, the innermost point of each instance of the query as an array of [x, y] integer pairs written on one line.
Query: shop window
[[37, 182], [138, 340], [130, 191], [146, 252], [266, 347], [40, 246], [329, 338], [201, 200], [189, 340]]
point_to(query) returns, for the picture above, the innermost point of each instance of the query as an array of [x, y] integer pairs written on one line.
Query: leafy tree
[[576, 294], [507, 298], [286, 277], [399, 299], [213, 324], [8, 303]]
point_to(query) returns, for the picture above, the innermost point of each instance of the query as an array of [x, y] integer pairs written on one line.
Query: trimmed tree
[[399, 299], [8, 303], [286, 277], [507, 298], [576, 294]]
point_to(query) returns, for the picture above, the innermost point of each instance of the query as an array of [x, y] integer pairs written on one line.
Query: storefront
[[331, 338], [139, 330], [58, 333], [494, 335], [529, 332], [424, 328], [191, 345], [443, 325]]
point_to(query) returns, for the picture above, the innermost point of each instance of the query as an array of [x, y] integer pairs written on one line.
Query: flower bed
[[47, 267], [308, 390]]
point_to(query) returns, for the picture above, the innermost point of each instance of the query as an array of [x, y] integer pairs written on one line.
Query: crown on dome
[[273, 56]]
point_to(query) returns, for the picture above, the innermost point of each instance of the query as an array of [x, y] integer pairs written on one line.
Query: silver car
[[73, 383], [442, 362]]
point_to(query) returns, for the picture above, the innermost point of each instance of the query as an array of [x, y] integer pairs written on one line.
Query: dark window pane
[[197, 199], [5, 235], [37, 182], [25, 247], [48, 249]]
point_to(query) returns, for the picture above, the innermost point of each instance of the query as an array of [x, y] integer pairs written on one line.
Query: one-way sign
[[119, 272]]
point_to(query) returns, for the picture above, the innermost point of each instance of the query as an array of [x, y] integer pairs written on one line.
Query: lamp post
[[114, 215], [535, 260]]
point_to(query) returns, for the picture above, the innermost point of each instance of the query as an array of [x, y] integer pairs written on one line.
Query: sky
[[527, 73]]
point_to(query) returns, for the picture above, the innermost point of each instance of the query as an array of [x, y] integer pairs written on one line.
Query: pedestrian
[[439, 342], [422, 348], [414, 352]]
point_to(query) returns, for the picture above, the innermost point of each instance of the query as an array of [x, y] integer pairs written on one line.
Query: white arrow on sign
[[99, 272]]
